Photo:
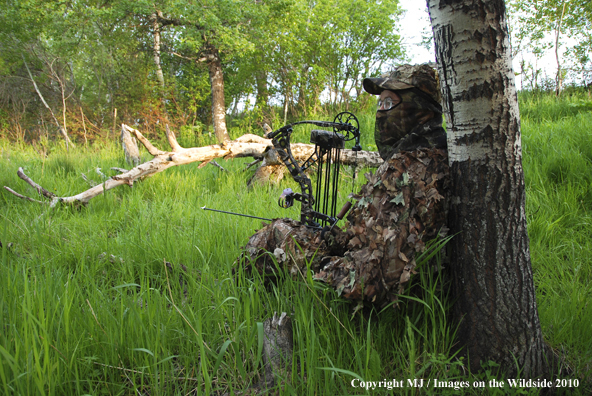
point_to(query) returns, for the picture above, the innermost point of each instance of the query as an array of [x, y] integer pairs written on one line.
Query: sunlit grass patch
[[89, 306]]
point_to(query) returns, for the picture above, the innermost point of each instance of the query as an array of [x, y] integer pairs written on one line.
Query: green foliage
[[77, 321], [563, 26], [278, 51], [557, 145]]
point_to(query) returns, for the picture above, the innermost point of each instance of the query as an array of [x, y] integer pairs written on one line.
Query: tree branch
[[40, 190], [62, 130], [245, 146]]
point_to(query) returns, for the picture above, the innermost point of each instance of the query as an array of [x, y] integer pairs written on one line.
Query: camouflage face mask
[[394, 124]]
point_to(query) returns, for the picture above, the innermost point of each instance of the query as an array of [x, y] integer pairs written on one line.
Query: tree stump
[[130, 147]]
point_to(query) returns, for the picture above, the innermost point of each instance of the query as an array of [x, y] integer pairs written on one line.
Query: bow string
[[318, 207]]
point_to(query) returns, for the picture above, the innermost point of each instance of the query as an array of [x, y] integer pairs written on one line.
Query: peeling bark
[[492, 272], [130, 147]]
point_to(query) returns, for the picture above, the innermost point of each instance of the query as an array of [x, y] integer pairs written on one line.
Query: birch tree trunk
[[559, 77], [156, 49], [491, 268], [156, 30]]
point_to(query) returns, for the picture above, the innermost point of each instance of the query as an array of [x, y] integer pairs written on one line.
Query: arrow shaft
[[236, 214]]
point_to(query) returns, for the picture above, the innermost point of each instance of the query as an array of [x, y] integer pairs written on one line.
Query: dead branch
[[40, 190], [245, 146], [60, 127], [217, 165], [90, 182], [23, 196], [130, 147], [250, 164]]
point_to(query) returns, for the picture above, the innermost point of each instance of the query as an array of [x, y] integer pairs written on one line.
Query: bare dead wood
[[61, 128], [217, 165], [245, 146], [40, 190], [90, 182], [277, 355], [250, 164], [100, 173], [24, 197], [277, 350], [130, 147], [264, 174]]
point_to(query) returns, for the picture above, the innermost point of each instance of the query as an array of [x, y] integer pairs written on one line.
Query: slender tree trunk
[[262, 89], [301, 103], [492, 274], [60, 127], [64, 108], [559, 77], [286, 103], [218, 105], [156, 49], [262, 100], [156, 29]]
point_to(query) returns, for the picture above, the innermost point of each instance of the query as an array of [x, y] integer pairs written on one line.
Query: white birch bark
[[491, 269]]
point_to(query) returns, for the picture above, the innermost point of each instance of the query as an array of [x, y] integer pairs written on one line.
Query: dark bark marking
[[491, 272], [443, 43], [484, 90], [486, 134]]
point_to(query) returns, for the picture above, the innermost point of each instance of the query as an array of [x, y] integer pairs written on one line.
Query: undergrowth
[[88, 304]]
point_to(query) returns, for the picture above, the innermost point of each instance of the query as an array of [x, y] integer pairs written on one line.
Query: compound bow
[[319, 209]]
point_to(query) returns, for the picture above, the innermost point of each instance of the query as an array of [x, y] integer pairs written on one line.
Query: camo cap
[[423, 77]]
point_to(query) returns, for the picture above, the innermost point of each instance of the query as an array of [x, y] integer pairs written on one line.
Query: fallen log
[[248, 145]]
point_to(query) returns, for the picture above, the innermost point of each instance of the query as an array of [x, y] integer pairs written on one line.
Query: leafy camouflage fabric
[[288, 245], [400, 208], [422, 77], [414, 123]]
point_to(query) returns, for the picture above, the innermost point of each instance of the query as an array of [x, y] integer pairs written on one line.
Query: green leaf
[[143, 350], [399, 199], [352, 277]]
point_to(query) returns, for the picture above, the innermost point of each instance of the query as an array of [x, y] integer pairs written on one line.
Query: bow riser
[[320, 207]]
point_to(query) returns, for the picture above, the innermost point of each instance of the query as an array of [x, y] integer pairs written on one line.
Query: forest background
[[87, 303], [97, 64]]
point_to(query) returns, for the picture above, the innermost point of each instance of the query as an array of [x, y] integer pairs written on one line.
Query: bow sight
[[318, 209]]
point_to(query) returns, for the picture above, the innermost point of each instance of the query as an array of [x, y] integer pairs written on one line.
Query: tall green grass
[[557, 145], [88, 305]]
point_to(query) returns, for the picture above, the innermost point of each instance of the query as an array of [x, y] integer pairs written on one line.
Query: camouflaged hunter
[[400, 208], [416, 121]]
